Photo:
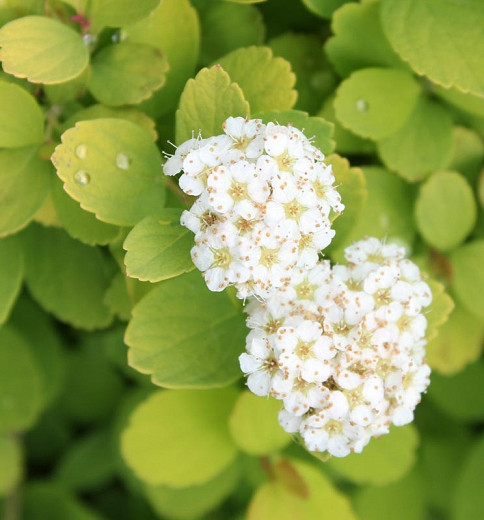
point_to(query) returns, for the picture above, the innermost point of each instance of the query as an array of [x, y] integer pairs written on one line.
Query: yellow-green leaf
[[126, 73], [422, 145], [20, 383], [11, 467], [445, 210], [185, 335], [113, 168], [158, 248], [25, 181], [375, 103], [384, 460], [11, 274], [118, 13], [254, 425], [42, 49], [267, 82], [441, 39], [21, 119], [439, 310], [180, 438], [206, 102]]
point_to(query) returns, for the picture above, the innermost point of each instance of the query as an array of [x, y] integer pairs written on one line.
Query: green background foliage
[[120, 391]]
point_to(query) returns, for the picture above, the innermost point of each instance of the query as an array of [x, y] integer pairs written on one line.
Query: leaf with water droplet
[[20, 383], [206, 102], [42, 49], [58, 267], [207, 335], [375, 102], [24, 181], [115, 195], [158, 248], [266, 81], [122, 161], [126, 73]]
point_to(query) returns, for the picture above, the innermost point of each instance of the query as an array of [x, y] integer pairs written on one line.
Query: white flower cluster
[[342, 347], [264, 207]]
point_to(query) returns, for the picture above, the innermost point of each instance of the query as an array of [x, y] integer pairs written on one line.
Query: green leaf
[[227, 27], [352, 188], [191, 448], [194, 501], [11, 467], [440, 39], [324, 8], [254, 425], [385, 460], [43, 499], [267, 82], [93, 399], [102, 112], [206, 102], [422, 145], [346, 141], [25, 181], [458, 343], [314, 77], [467, 404], [469, 500], [158, 248], [445, 210], [78, 223], [468, 275], [21, 119], [88, 464], [359, 41], [315, 128], [375, 103], [20, 383], [468, 153], [173, 27], [118, 13], [42, 50], [376, 503], [37, 329], [439, 310], [466, 102], [321, 500], [113, 168], [68, 91], [387, 213], [185, 335], [67, 278], [11, 274], [117, 298], [126, 73]]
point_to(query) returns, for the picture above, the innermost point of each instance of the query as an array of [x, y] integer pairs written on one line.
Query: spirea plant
[[240, 242]]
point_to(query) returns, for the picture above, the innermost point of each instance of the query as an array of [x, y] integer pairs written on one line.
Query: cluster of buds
[[265, 204], [342, 347]]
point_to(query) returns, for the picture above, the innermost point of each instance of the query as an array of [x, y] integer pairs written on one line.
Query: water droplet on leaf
[[361, 105], [82, 178], [122, 161], [81, 151]]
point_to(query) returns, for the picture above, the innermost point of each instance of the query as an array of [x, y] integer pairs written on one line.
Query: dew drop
[[361, 105], [122, 161], [81, 151], [82, 178]]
